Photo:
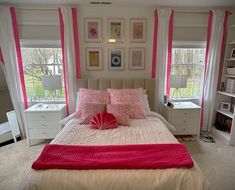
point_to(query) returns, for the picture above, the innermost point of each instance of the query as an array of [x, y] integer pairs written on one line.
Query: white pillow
[[67, 119], [77, 101], [146, 103]]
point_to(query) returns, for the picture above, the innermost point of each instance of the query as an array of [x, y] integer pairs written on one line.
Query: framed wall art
[[93, 30], [136, 58], [94, 58], [116, 59], [116, 30], [138, 30]]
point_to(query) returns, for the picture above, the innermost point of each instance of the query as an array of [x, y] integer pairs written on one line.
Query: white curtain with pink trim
[[70, 54], [162, 54], [215, 38], [10, 66]]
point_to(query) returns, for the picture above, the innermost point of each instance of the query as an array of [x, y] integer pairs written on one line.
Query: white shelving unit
[[223, 96]]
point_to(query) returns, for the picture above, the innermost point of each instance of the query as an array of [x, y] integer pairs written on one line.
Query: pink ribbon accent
[[155, 33], [210, 18], [222, 50], [169, 55], [19, 57], [1, 56], [63, 58], [76, 42]]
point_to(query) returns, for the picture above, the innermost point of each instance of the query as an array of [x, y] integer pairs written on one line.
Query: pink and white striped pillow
[[89, 111], [88, 96], [131, 97], [121, 113]]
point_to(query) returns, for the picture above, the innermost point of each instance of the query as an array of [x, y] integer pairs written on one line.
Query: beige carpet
[[217, 162]]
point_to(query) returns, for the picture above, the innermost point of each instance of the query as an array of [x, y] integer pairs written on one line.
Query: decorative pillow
[[91, 96], [103, 121], [89, 111], [132, 97], [146, 103], [120, 112]]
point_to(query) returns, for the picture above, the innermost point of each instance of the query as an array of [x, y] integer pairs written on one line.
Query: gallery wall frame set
[[115, 30], [116, 58]]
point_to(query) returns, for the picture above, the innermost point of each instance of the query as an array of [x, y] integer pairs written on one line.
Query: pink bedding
[[141, 156]]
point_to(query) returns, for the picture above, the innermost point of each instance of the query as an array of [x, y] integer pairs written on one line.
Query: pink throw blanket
[[140, 156]]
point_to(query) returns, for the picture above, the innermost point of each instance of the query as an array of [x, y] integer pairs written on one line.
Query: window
[[41, 65], [189, 62]]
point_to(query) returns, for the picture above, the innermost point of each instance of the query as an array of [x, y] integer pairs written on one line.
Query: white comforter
[[142, 131]]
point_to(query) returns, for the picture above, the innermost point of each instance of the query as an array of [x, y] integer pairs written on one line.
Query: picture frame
[[94, 59], [225, 106], [116, 32], [232, 55], [138, 30], [136, 58], [93, 29], [116, 59]]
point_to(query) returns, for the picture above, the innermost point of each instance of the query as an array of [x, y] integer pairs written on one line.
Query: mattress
[[142, 131]]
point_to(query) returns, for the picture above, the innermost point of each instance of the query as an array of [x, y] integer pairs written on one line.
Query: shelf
[[231, 76], [231, 43], [220, 134], [226, 113], [226, 94], [229, 59]]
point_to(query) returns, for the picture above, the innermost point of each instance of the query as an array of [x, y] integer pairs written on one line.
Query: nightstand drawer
[[185, 113], [43, 124], [43, 133], [45, 116], [185, 121], [186, 130]]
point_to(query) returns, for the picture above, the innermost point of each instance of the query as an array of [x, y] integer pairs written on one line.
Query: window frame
[[28, 43], [188, 45]]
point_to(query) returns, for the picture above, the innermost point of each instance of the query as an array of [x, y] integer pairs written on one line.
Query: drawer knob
[[185, 121], [44, 133], [44, 125], [44, 117]]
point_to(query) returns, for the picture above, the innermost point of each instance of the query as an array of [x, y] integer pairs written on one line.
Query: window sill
[[58, 101]]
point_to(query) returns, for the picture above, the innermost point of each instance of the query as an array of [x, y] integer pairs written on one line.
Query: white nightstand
[[185, 117], [42, 120]]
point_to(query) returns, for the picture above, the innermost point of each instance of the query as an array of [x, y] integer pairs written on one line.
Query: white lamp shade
[[52, 82], [178, 81]]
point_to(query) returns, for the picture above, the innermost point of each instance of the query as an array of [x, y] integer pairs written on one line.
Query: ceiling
[[172, 3]]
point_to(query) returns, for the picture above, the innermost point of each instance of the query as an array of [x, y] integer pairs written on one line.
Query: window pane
[[189, 62], [43, 72]]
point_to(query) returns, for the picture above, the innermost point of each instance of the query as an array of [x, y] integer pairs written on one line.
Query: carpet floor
[[216, 160]]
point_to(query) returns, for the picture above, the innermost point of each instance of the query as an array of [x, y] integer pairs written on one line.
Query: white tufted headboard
[[103, 84]]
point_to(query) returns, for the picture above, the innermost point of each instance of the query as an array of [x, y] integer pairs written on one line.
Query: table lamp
[[177, 82]]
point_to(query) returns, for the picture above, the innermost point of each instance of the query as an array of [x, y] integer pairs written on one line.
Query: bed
[[152, 130]]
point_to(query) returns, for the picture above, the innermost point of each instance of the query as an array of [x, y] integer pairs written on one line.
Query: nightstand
[[42, 120], [185, 117]]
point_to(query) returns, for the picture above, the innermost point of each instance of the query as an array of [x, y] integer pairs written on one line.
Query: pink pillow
[[91, 96], [120, 112], [132, 97], [103, 121], [89, 111]]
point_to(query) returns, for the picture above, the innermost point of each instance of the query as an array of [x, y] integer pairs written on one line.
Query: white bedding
[[142, 131]]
